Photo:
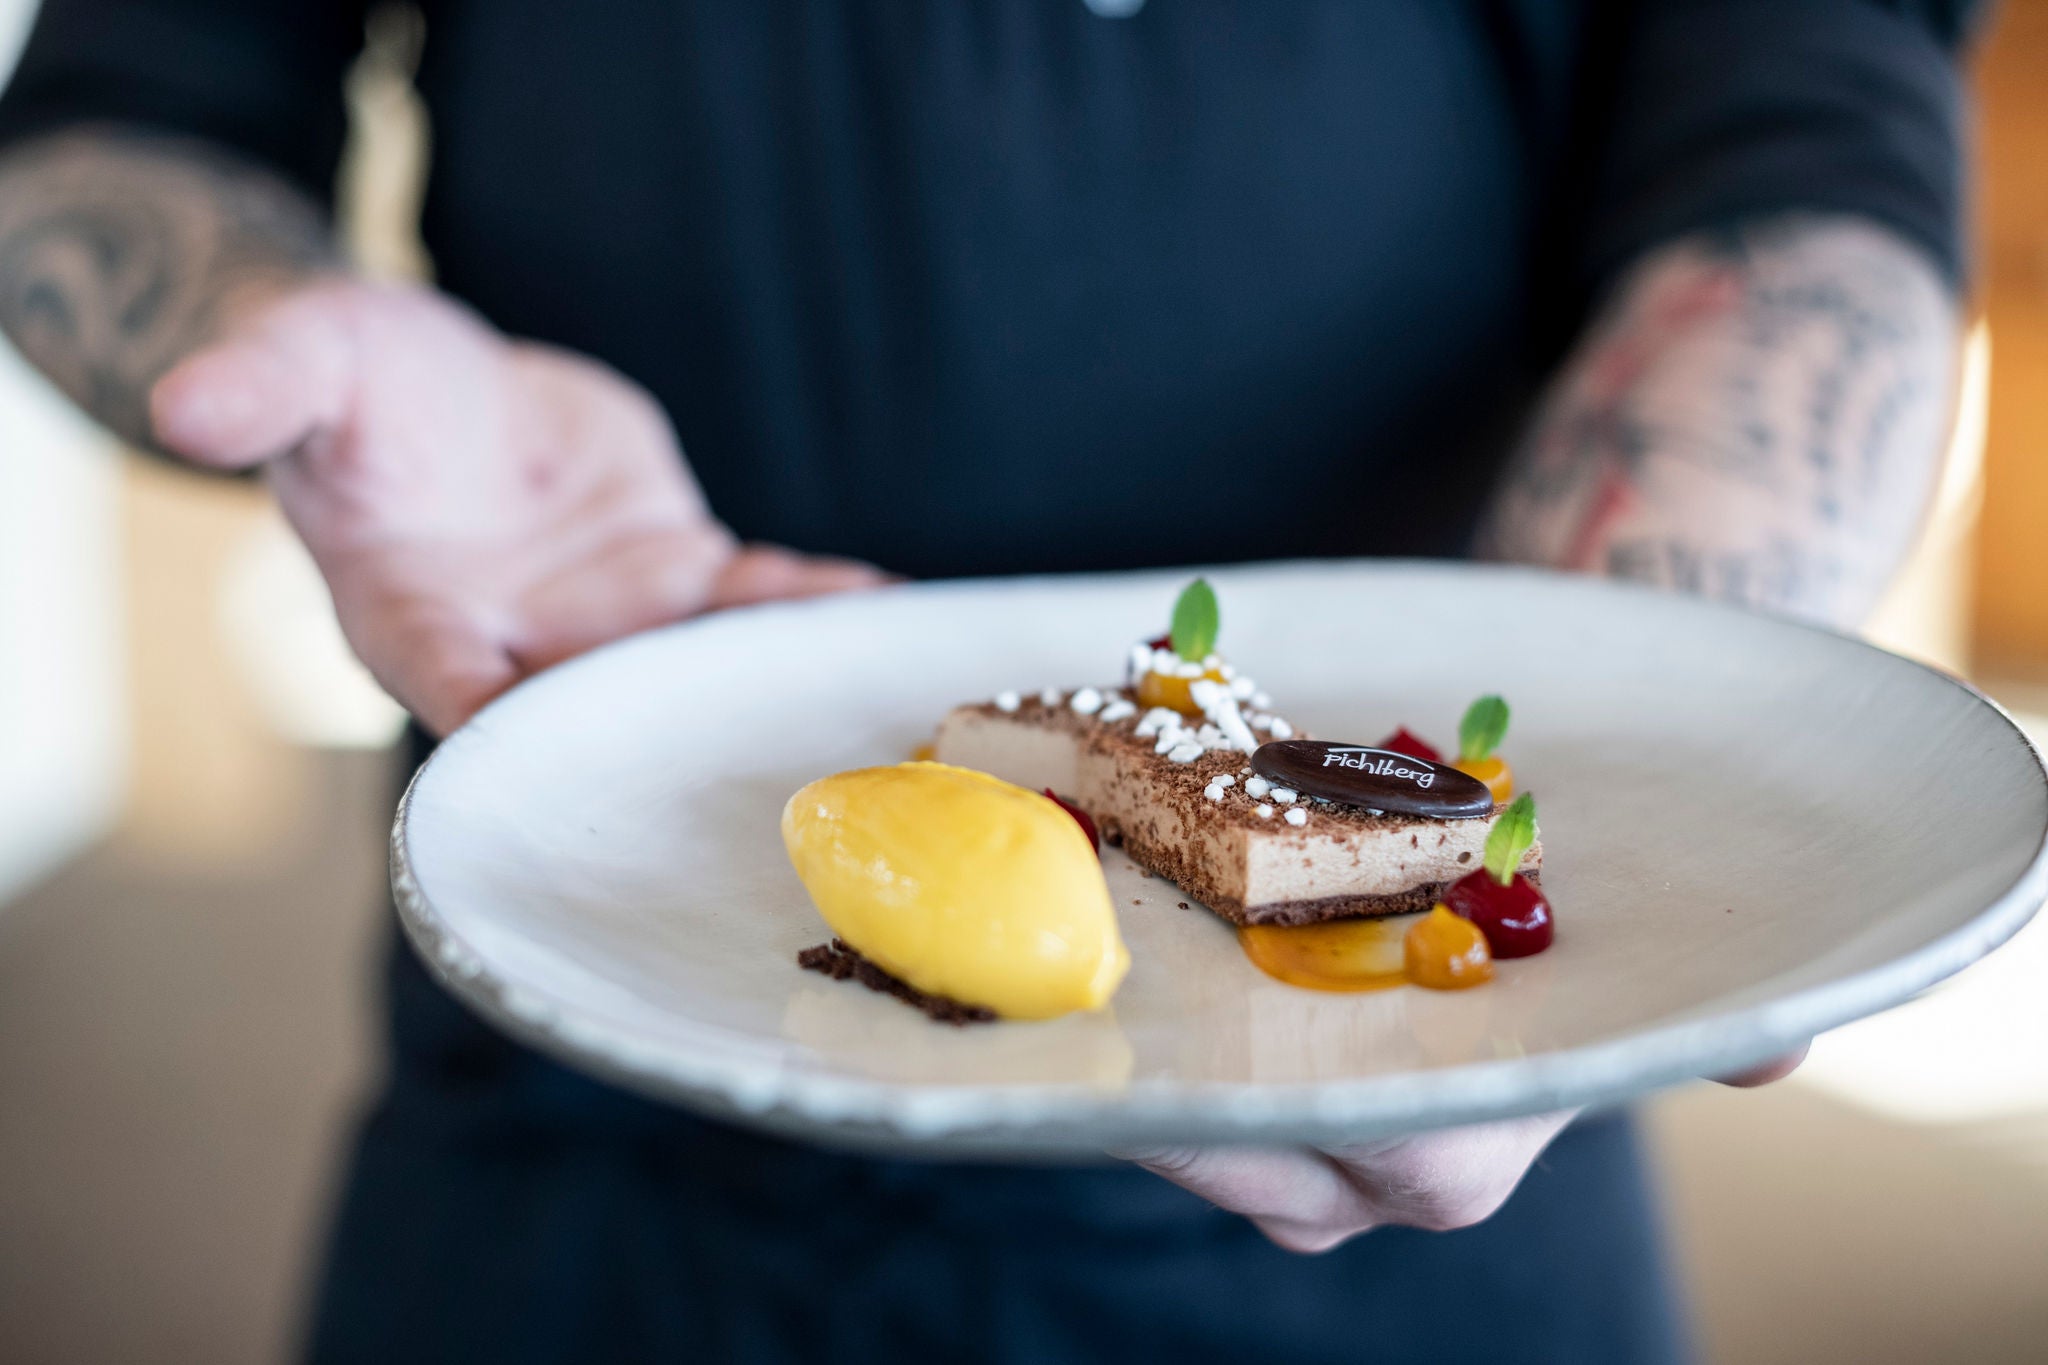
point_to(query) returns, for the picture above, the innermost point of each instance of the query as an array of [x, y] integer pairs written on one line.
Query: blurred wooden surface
[[2012, 546]]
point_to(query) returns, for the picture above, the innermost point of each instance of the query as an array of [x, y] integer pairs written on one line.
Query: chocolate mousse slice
[[1260, 825]]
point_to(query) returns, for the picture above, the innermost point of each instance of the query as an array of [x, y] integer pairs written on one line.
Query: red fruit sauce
[[1080, 817], [1515, 918], [1413, 745]]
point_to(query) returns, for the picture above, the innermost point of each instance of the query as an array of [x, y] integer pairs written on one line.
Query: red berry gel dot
[[1515, 918], [1080, 817], [1402, 741]]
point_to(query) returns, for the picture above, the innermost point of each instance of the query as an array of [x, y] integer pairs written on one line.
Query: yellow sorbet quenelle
[[961, 885]]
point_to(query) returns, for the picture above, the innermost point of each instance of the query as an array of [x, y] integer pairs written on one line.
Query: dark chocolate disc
[[1378, 779]]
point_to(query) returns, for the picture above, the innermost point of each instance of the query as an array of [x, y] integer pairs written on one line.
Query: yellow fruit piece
[[1494, 772], [1163, 689], [960, 884], [924, 753], [1446, 952]]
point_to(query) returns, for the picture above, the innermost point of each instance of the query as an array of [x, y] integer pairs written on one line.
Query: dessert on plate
[[970, 887], [1188, 769]]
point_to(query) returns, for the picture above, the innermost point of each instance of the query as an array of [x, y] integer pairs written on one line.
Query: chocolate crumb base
[[841, 961], [1344, 907]]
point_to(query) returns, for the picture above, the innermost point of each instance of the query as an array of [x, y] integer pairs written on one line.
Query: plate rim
[[871, 1111]]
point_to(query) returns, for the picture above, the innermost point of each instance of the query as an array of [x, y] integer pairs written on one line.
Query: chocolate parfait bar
[[1259, 825]]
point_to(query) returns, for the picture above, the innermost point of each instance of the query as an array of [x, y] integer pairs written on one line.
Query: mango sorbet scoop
[[960, 885]]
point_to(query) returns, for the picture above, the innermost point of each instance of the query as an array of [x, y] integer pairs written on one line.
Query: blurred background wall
[[192, 806], [2011, 610], [62, 717]]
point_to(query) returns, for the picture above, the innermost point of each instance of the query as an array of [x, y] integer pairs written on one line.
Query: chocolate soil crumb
[[842, 962], [1183, 905]]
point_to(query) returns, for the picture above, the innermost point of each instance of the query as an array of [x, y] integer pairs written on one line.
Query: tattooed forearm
[[121, 252], [1757, 417]]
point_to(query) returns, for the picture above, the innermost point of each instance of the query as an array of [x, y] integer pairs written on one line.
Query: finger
[[1449, 1179], [768, 573], [1297, 1198], [1776, 1069], [434, 661], [633, 582], [448, 677], [263, 390]]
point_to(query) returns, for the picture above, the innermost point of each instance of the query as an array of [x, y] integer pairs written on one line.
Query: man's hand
[[1311, 1199], [480, 507]]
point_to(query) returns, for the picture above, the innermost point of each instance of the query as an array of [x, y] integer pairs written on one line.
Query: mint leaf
[[1195, 619], [1510, 838], [1481, 731]]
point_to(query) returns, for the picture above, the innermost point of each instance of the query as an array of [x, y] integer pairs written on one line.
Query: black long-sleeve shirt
[[982, 287]]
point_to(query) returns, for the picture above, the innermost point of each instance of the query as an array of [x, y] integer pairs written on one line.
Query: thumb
[[263, 389], [1776, 1069], [769, 573], [434, 658]]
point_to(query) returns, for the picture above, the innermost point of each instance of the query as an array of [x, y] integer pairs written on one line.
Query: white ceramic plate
[[1753, 831]]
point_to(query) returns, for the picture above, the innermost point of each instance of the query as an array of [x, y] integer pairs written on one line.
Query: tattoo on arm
[[121, 252], [1757, 416]]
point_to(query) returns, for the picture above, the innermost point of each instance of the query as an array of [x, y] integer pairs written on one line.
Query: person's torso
[[1010, 285]]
